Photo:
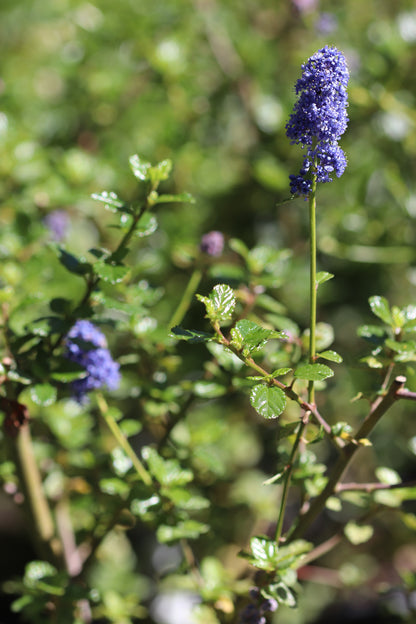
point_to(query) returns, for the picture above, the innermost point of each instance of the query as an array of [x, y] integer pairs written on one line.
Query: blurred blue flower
[[326, 23], [87, 346], [319, 118], [57, 223]]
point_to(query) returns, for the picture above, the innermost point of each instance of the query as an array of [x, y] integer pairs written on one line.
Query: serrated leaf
[[322, 277], [358, 534], [220, 303], [112, 273], [249, 336], [43, 394], [281, 592], [268, 401], [140, 167], [184, 499], [185, 198], [330, 355], [380, 307], [191, 335], [267, 555], [313, 372]]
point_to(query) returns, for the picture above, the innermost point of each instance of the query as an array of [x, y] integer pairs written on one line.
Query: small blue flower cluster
[[57, 223], [254, 612], [319, 118], [87, 346]]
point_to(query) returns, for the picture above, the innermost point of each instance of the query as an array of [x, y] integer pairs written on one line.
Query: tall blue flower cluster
[[87, 346], [319, 118]]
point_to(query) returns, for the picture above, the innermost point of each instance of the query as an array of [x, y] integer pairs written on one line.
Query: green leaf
[[140, 167], [146, 225], [161, 171], [239, 247], [114, 487], [267, 555], [281, 592], [332, 356], [184, 499], [387, 475], [111, 201], [189, 529], [322, 277], [358, 534], [209, 389], [280, 372], [191, 335], [380, 307], [185, 198], [112, 273], [72, 263], [268, 401], [249, 336], [219, 304], [167, 471], [373, 333], [130, 427], [43, 394], [313, 372]]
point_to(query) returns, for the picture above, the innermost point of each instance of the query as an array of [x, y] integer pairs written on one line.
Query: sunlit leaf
[[313, 372], [268, 401], [380, 307]]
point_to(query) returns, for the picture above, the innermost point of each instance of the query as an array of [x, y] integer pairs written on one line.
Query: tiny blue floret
[[320, 118], [86, 345]]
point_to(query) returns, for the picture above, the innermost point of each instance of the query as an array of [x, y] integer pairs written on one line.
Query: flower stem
[[122, 440], [312, 284], [185, 302]]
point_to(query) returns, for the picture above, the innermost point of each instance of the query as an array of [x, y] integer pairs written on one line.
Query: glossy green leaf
[[380, 307], [267, 555], [43, 394], [313, 372], [185, 499], [322, 277], [110, 200], [283, 594], [248, 336], [140, 167], [114, 487], [268, 401], [220, 303], [191, 335], [332, 356]]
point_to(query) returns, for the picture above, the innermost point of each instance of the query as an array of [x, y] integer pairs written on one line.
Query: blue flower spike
[[319, 118]]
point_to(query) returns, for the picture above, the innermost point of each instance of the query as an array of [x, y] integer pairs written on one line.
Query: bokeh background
[[210, 84]]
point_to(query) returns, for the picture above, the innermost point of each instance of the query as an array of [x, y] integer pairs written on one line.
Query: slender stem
[[287, 480], [36, 501], [186, 299], [312, 283], [122, 440]]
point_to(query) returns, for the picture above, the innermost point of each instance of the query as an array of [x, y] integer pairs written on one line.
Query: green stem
[[35, 499], [122, 440], [312, 284], [185, 302]]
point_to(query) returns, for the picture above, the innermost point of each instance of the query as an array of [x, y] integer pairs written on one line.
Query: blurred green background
[[210, 84]]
